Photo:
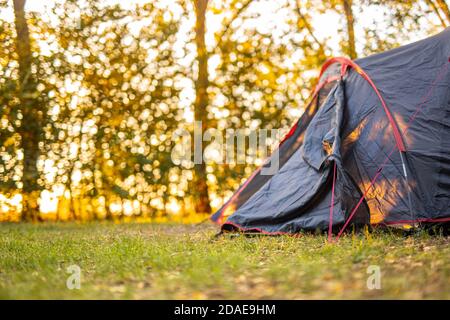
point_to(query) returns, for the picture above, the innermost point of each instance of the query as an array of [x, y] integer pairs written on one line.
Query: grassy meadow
[[174, 261]]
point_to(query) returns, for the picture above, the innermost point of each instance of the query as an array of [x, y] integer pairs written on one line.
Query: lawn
[[151, 261]]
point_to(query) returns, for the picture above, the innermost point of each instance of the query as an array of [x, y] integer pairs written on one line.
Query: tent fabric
[[346, 125]]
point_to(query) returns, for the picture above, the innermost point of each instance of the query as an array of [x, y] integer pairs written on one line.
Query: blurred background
[[92, 92]]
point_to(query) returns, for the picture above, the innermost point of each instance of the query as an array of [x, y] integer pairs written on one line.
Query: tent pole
[[408, 189]]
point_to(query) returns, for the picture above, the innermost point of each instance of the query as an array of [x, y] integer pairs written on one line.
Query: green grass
[[146, 261]]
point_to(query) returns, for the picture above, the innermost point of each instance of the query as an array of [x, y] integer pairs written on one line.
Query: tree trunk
[[30, 128], [445, 9], [201, 102], [351, 43]]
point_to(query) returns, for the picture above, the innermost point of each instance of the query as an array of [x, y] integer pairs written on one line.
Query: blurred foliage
[[114, 82]]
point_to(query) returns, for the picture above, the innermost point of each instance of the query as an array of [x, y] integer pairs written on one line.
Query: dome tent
[[372, 147]]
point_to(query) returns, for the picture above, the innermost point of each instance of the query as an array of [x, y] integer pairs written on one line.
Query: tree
[[123, 123], [9, 137], [304, 23], [350, 20], [201, 102], [442, 11], [30, 129], [444, 8]]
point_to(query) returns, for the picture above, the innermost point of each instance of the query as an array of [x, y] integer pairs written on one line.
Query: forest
[[93, 94]]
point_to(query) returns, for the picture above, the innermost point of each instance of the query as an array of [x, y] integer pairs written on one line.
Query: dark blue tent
[[372, 147]]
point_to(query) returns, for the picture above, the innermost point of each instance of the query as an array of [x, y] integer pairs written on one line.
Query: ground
[[150, 261]]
